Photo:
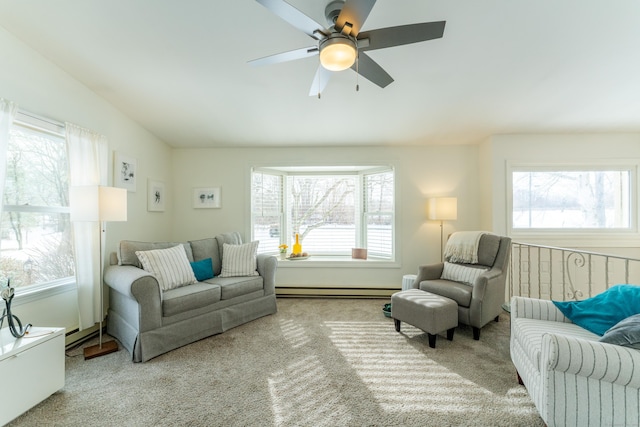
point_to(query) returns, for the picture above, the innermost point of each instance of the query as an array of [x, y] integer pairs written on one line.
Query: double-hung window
[[35, 244], [331, 209], [574, 199]]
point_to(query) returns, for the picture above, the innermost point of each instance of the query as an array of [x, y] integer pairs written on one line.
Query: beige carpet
[[317, 362]]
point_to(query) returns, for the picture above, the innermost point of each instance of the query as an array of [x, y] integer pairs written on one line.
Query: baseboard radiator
[[327, 292]]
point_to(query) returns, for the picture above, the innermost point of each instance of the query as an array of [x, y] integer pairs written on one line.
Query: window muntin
[[332, 209], [587, 199], [35, 230]]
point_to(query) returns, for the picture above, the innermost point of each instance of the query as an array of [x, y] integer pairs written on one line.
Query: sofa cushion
[[202, 269], [625, 333], [456, 291], [127, 250], [462, 273], [207, 248], [529, 332], [240, 260], [232, 287], [169, 266], [601, 312], [188, 298]]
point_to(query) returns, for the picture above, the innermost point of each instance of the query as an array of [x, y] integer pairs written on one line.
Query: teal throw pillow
[[203, 269], [625, 333], [603, 311]]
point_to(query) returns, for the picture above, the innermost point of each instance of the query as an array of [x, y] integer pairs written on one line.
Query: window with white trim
[[578, 198], [35, 244], [332, 209]]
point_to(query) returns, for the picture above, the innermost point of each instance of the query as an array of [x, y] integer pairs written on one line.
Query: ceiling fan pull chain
[[357, 69], [319, 76]]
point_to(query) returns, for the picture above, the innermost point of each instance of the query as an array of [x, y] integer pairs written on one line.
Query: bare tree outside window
[[35, 231], [579, 199]]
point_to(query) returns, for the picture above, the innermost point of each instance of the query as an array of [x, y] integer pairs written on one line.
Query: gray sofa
[[149, 322]]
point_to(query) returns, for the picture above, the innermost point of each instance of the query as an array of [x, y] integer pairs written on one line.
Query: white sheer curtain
[[7, 113], [88, 161]]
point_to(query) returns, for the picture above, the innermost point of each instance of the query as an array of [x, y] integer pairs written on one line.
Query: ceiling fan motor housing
[[332, 11]]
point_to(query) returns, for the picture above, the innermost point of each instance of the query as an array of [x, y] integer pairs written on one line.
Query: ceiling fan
[[343, 45]]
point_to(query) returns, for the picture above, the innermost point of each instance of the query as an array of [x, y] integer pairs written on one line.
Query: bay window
[[331, 209]]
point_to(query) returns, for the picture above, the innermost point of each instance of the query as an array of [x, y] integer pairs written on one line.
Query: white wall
[[40, 87], [421, 172]]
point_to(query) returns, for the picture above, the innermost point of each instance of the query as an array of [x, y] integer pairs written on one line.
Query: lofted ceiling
[[179, 68]]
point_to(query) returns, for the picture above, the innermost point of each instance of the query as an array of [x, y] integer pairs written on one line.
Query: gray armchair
[[480, 299]]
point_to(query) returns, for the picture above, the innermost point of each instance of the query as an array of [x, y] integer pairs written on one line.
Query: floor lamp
[[442, 209], [94, 203]]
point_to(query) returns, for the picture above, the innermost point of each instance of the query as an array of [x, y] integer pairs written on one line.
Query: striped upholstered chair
[[573, 379]]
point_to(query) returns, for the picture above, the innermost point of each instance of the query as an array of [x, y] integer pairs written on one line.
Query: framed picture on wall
[[125, 172], [208, 197], [155, 196]]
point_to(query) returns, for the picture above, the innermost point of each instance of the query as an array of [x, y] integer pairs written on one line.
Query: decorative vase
[[297, 247], [283, 255]]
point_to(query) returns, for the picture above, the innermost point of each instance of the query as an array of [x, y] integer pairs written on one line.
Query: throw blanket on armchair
[[462, 247]]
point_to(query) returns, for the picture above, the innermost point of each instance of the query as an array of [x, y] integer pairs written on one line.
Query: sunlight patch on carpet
[[400, 375], [293, 333], [302, 394]]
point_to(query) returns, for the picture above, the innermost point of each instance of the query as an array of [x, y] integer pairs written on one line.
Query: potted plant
[[283, 251]]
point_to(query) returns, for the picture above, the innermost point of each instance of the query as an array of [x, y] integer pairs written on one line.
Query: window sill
[[36, 292], [337, 262]]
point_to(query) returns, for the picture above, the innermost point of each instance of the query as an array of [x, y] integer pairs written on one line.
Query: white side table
[[407, 281], [31, 369]]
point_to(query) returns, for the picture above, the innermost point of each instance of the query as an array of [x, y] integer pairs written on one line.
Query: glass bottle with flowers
[[283, 251]]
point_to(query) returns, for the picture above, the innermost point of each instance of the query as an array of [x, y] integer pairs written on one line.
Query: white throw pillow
[[239, 260], [170, 266], [461, 273]]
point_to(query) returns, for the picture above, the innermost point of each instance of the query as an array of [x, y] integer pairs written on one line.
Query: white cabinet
[[31, 369]]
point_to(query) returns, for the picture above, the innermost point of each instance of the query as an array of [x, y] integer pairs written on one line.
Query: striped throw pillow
[[239, 260], [169, 266], [461, 273]]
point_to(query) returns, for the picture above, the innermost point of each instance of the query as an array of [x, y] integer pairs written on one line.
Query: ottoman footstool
[[430, 312]]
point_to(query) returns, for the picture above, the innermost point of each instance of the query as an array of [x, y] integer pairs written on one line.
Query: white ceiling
[[179, 68]]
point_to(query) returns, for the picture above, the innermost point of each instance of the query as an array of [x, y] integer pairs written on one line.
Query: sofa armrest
[[428, 272], [141, 286], [604, 362], [267, 265], [532, 308]]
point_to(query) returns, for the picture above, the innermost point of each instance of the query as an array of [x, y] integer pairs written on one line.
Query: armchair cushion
[[461, 273], [603, 311], [456, 291], [625, 333]]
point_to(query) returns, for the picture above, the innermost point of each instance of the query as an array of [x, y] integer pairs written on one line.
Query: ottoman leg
[[397, 323], [432, 340], [450, 334], [476, 333]]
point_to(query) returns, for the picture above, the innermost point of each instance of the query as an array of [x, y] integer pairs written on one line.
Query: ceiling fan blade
[[370, 70], [291, 55], [319, 81], [296, 18], [354, 12], [403, 34]]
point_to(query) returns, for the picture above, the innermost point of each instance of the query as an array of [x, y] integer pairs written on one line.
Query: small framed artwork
[[155, 196], [125, 172], [207, 197]]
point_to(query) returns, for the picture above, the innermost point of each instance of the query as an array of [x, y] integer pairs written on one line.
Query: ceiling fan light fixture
[[337, 53]]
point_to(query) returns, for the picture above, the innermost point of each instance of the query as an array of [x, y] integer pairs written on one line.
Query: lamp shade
[[97, 203], [442, 208]]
